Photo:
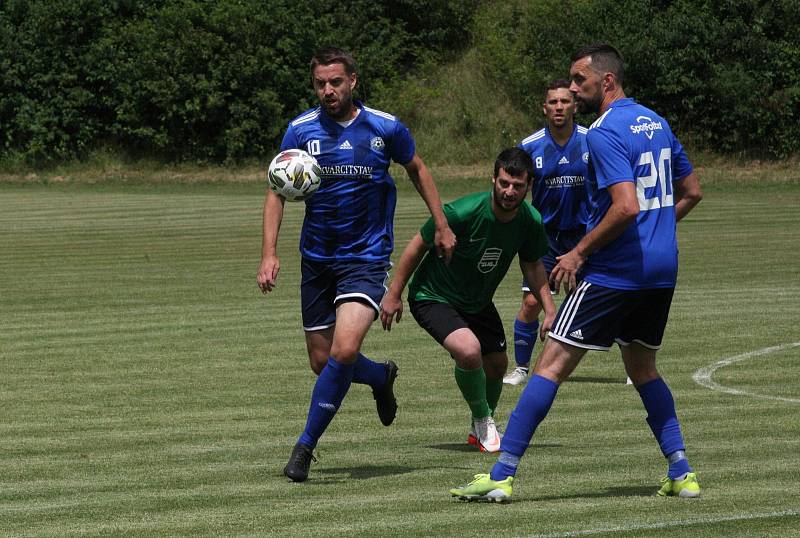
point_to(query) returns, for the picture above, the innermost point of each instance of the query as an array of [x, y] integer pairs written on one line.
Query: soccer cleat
[[518, 376], [384, 396], [299, 462], [472, 438], [686, 487], [483, 488], [484, 435]]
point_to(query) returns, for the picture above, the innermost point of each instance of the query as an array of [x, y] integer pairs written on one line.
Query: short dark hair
[[332, 55], [605, 58], [556, 84], [514, 161]]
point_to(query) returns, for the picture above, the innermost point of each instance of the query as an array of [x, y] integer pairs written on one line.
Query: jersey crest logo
[[586, 156], [646, 126], [345, 145], [563, 160], [377, 143], [489, 259]]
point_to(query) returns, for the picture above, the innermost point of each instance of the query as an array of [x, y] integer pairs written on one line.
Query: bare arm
[[444, 239], [392, 303], [536, 276], [622, 212], [273, 215], [687, 194]]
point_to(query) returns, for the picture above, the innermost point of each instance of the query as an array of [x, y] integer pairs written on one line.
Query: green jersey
[[484, 251]]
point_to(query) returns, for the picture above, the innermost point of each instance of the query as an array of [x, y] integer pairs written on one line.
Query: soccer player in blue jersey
[[559, 156], [640, 184], [346, 240]]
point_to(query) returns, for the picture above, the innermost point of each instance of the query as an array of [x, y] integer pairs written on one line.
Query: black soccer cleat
[[384, 396], [299, 462]]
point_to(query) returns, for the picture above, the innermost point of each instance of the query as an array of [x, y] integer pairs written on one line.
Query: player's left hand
[[566, 271], [444, 241], [547, 324], [391, 308]]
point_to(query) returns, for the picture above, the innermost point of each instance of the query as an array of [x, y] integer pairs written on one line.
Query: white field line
[[703, 375], [667, 524]]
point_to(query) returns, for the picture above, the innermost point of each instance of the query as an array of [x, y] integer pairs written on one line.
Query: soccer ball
[[294, 174]]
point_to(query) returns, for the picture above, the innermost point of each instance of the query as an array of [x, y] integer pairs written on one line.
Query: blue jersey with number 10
[[351, 216], [630, 142]]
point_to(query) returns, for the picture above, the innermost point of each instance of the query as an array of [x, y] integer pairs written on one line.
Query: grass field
[[149, 389]]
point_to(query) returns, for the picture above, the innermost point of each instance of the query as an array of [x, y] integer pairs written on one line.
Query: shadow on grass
[[591, 379], [623, 491], [363, 472], [464, 447]]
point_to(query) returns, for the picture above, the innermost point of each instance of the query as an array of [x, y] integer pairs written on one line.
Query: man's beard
[[586, 106], [498, 201], [344, 106]]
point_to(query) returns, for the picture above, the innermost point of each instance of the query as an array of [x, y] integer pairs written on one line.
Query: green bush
[[216, 81], [191, 79], [723, 72]]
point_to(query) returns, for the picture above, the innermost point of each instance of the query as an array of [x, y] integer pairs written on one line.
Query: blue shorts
[[594, 317], [559, 242], [325, 285]]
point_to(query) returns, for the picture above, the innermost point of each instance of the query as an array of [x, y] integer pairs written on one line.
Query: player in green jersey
[[453, 302]]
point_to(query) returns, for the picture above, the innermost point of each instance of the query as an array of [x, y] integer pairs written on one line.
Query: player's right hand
[[391, 308], [565, 273], [268, 273]]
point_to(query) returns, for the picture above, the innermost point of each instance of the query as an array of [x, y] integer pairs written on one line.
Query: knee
[[641, 374], [495, 365], [529, 310], [345, 353], [557, 361], [467, 359], [317, 361]]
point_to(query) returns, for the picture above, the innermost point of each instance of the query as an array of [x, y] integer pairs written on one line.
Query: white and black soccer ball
[[294, 174]]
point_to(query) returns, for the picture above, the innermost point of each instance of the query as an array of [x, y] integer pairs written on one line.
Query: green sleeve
[[428, 229]]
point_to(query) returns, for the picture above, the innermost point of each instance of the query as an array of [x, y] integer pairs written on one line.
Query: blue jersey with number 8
[[630, 142]]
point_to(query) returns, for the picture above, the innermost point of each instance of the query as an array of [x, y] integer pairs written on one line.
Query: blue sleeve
[[609, 156], [289, 139], [681, 166], [402, 147]]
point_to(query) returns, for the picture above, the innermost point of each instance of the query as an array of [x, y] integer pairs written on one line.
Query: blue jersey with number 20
[[630, 142], [351, 216]]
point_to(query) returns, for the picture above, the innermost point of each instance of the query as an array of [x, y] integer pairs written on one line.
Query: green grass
[[149, 389]]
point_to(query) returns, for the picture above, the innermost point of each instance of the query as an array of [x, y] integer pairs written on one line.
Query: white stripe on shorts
[[359, 295], [570, 309]]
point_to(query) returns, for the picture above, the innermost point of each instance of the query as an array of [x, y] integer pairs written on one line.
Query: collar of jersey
[[625, 101], [329, 121], [553, 140]]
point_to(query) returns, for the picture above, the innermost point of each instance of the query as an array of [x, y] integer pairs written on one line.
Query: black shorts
[[441, 319]]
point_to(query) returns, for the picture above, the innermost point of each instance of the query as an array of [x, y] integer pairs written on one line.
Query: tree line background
[[217, 81]]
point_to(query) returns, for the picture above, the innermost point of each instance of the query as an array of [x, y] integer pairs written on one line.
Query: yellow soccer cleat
[[483, 488]]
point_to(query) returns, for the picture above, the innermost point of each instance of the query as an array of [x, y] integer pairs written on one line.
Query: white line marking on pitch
[[667, 525], [703, 375]]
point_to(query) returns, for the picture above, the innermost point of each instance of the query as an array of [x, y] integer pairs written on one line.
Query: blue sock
[[533, 405], [663, 421], [329, 391], [524, 339], [368, 372]]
